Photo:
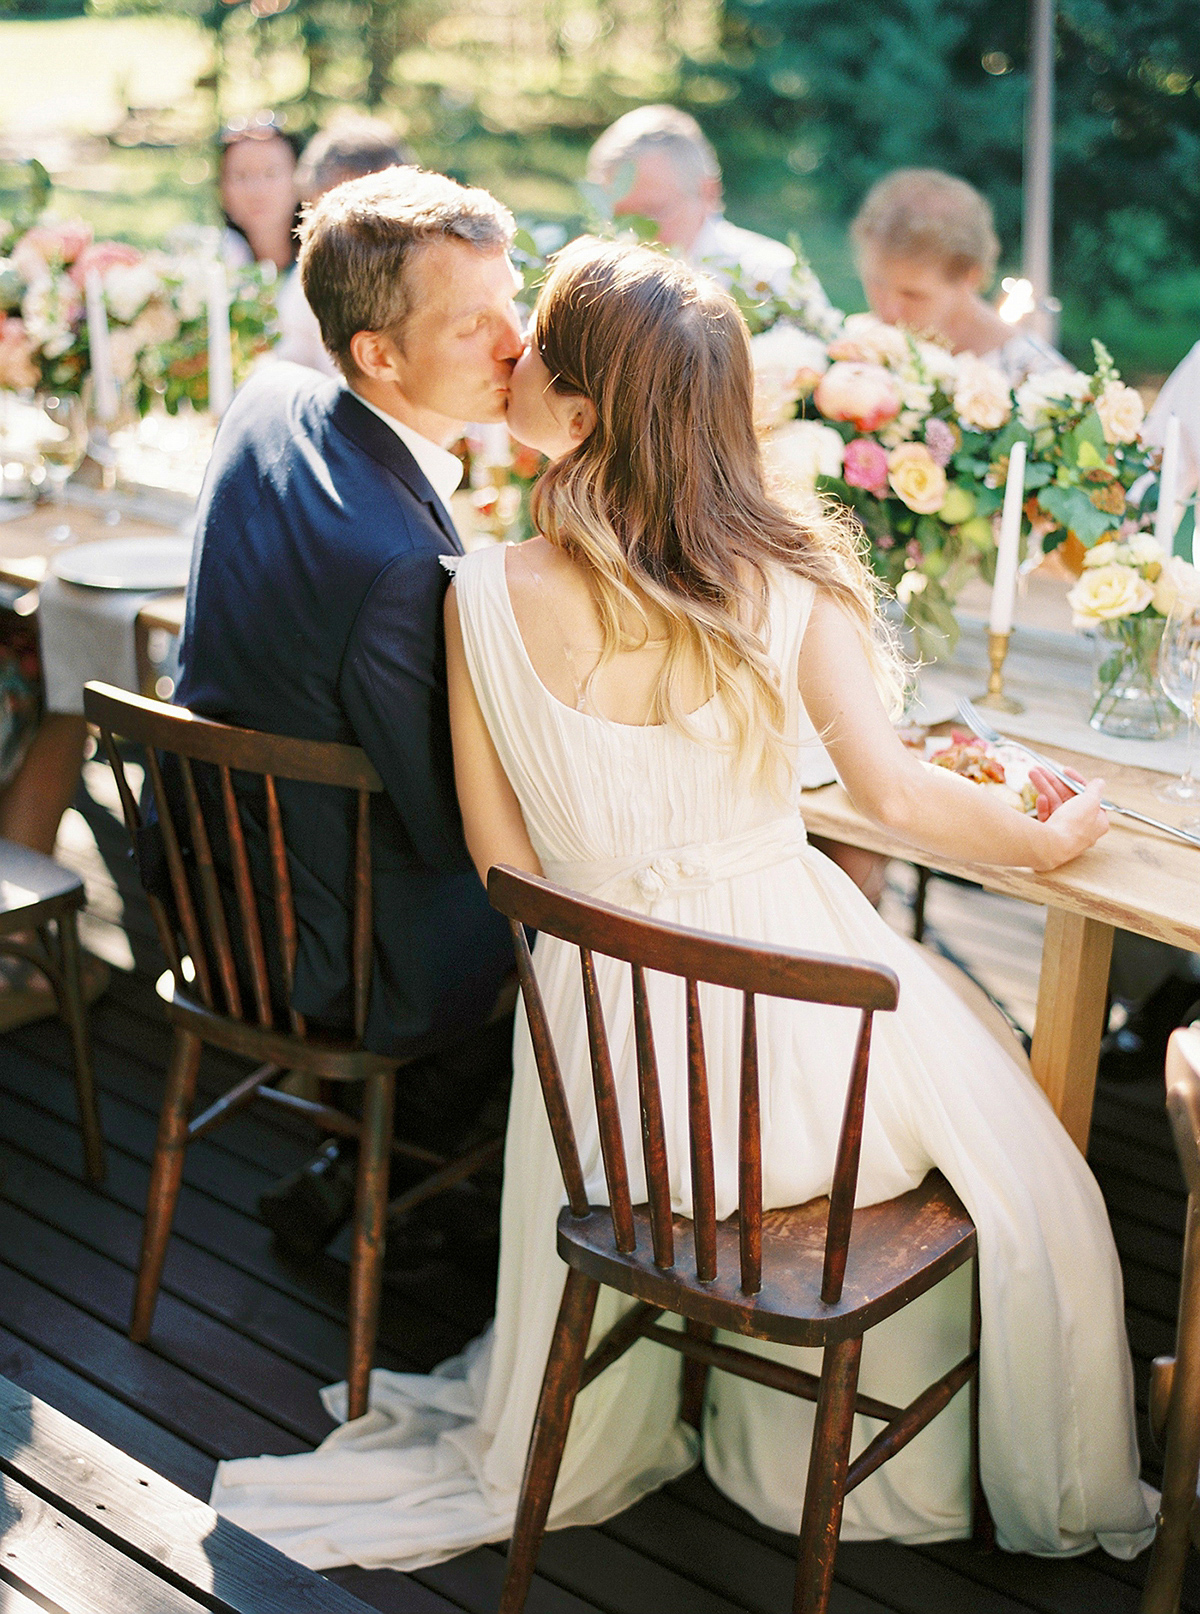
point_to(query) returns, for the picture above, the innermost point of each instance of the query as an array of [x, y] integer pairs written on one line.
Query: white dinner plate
[[149, 563]]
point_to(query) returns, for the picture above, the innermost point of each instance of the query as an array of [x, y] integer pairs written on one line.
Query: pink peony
[[102, 256], [862, 393], [56, 243], [866, 466]]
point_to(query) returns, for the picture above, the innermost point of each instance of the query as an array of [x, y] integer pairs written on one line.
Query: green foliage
[[828, 95]]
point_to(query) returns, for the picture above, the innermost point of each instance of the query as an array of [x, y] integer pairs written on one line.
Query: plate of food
[[154, 562], [1002, 769]]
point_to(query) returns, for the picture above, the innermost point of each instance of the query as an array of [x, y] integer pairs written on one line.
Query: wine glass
[[1179, 674], [61, 443]]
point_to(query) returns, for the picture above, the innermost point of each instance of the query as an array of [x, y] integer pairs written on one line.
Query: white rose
[[911, 583], [1144, 549], [155, 325], [872, 341], [1108, 592], [123, 348], [939, 364], [787, 364], [797, 453], [1102, 555], [1121, 412], [1176, 578], [982, 396], [1051, 390], [128, 287]]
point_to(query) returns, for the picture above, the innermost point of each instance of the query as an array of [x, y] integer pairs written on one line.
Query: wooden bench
[[84, 1529]]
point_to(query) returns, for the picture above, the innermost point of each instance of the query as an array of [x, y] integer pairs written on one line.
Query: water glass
[[1179, 673]]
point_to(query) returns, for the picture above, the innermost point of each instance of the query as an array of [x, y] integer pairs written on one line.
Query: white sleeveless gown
[[656, 821]]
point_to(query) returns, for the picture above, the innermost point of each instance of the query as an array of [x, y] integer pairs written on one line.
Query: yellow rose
[[917, 478], [1106, 592]]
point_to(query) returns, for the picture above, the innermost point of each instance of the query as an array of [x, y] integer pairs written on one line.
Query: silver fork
[[980, 726]]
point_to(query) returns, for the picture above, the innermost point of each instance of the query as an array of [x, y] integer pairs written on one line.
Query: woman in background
[[257, 183], [926, 248]]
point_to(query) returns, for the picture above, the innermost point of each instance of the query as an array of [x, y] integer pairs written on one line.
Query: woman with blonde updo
[[926, 247], [629, 693]]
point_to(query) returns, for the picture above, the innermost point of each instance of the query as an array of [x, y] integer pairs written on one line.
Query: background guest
[[926, 248], [348, 149], [666, 170], [257, 185], [1180, 396]]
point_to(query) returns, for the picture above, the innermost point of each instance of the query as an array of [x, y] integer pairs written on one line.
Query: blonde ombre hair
[[665, 502]]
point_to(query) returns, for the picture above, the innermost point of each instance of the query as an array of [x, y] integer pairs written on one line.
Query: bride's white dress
[[659, 822]]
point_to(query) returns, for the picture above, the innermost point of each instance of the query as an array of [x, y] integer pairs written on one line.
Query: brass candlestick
[[995, 697]]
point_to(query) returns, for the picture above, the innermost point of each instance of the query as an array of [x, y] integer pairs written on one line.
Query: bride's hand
[[1072, 822]]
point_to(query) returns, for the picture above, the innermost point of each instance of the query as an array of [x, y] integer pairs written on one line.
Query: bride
[[629, 694]]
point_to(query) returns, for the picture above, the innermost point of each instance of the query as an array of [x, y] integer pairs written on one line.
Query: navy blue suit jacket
[[315, 610]]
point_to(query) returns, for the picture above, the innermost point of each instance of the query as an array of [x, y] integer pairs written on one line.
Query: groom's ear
[[374, 353], [582, 421]]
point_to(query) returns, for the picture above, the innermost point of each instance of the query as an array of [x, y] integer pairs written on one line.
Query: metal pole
[[1039, 167]]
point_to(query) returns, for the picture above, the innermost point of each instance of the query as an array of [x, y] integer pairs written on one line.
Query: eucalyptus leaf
[[1076, 511]]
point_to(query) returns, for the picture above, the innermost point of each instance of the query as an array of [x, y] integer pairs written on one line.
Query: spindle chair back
[[818, 1274], [231, 943], [1175, 1380]]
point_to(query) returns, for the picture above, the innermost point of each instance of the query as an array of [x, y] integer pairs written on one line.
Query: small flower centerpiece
[[1124, 597]]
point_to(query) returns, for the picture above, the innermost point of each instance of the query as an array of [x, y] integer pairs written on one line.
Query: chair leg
[[71, 1006], [555, 1406], [165, 1175], [370, 1229], [983, 1531], [695, 1379], [825, 1494]]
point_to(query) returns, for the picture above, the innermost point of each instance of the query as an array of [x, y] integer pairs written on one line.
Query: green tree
[[824, 96]]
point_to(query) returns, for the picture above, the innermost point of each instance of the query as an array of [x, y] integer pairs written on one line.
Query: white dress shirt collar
[[442, 469]]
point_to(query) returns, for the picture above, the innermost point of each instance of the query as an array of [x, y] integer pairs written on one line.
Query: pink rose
[[102, 256], [17, 369], [862, 393], [56, 243], [865, 465]]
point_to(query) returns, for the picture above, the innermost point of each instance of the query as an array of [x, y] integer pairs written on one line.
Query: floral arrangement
[[156, 311], [916, 442], [1126, 591]]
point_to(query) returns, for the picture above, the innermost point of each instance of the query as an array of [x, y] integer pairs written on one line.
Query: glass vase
[[1128, 700]]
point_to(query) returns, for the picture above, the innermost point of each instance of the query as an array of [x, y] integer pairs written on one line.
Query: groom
[[314, 610]]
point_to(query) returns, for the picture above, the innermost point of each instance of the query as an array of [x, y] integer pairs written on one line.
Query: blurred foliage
[[807, 102], [825, 96]]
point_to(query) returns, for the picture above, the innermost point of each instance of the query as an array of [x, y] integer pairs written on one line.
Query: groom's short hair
[[358, 240]]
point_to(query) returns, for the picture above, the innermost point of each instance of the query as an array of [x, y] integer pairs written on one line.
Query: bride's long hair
[[665, 501]]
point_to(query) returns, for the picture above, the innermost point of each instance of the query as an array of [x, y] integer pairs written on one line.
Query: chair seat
[[27, 880], [898, 1249]]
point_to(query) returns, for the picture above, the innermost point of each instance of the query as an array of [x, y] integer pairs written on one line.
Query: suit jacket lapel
[[377, 439]]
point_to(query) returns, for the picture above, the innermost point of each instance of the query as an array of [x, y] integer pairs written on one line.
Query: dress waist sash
[[643, 880]]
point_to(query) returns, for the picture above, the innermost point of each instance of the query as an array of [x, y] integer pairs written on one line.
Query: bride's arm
[[929, 807], [492, 820]]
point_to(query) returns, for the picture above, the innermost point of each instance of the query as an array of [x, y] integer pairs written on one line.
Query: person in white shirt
[[926, 248], [348, 149], [1180, 396], [656, 163]]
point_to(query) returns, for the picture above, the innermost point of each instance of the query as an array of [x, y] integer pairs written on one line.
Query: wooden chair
[[211, 1003], [40, 899], [819, 1274], [1175, 1380]]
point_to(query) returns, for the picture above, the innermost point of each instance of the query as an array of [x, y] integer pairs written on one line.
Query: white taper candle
[[1168, 486], [1004, 589], [103, 382], [220, 347]]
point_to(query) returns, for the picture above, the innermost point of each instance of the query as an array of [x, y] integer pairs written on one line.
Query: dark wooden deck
[[243, 1341]]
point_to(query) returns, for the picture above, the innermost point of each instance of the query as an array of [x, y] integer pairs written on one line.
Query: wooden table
[[1133, 879], [84, 1528]]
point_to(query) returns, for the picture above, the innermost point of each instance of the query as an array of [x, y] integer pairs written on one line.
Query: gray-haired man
[[663, 168]]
